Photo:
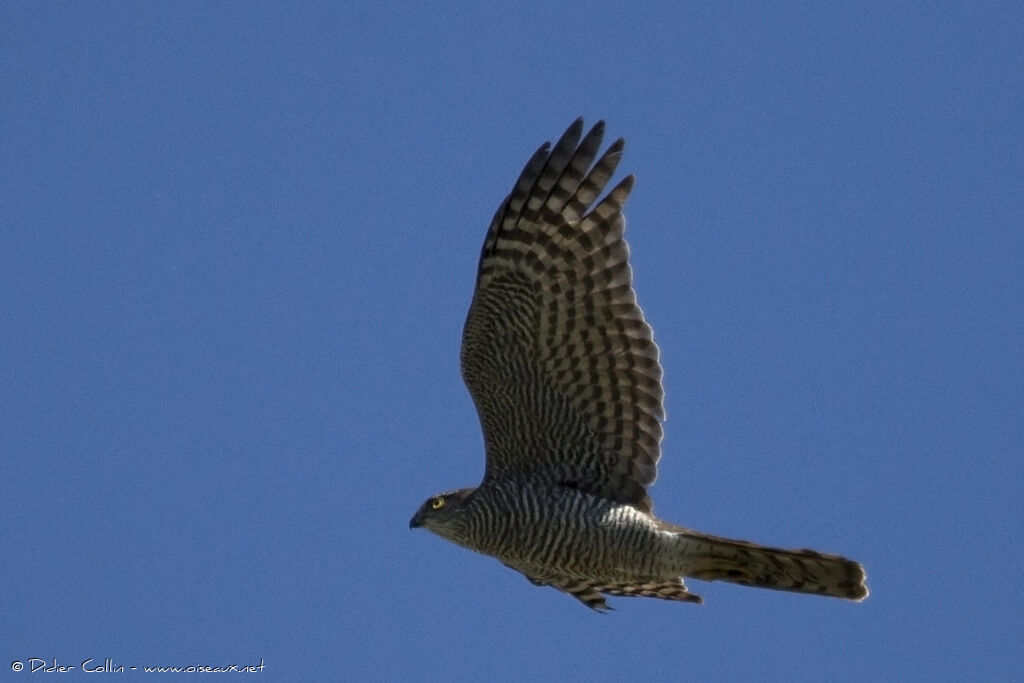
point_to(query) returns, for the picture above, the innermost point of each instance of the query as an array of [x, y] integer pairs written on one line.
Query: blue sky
[[237, 242]]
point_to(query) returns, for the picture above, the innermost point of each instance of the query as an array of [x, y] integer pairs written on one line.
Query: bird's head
[[444, 514]]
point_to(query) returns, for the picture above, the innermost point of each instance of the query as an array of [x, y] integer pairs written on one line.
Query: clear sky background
[[238, 240]]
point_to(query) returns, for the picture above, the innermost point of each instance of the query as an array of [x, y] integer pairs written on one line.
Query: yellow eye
[[437, 503]]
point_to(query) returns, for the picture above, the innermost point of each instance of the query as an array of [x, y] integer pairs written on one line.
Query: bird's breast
[[555, 530]]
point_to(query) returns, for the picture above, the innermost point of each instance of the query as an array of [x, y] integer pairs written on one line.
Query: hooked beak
[[416, 521]]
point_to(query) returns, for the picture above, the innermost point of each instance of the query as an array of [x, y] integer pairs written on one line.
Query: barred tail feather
[[712, 558]]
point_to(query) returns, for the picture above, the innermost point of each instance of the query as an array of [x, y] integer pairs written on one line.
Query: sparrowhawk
[[565, 376]]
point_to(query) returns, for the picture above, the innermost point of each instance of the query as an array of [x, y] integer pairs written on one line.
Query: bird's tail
[[712, 558]]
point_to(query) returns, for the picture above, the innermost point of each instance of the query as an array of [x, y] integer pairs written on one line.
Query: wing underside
[[556, 353]]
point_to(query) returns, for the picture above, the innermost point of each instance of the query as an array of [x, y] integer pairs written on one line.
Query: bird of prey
[[565, 376]]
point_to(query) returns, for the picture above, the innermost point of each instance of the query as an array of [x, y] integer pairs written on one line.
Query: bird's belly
[[594, 540]]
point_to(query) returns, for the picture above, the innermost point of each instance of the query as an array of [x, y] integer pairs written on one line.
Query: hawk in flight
[[565, 376]]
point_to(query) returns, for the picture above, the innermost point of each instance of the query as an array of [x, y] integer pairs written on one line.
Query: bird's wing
[[560, 362]]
